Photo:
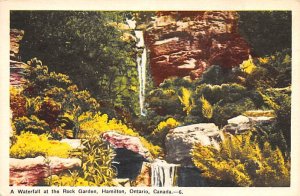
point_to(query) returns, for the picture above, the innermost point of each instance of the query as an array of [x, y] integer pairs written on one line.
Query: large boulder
[[131, 156], [130, 143], [187, 43], [180, 141], [31, 171], [243, 123]]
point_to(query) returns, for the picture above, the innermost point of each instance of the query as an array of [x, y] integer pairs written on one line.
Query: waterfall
[[141, 64], [163, 174]]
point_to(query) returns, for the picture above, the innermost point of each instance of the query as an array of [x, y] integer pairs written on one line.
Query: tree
[[266, 31], [87, 46]]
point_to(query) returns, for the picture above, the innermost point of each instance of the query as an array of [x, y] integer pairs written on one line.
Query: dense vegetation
[[90, 86]]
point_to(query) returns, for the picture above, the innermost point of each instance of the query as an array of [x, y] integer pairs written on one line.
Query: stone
[[16, 36], [242, 123], [131, 143], [262, 120], [144, 178], [31, 171], [121, 182], [17, 68], [187, 43], [238, 120], [74, 143], [180, 141]]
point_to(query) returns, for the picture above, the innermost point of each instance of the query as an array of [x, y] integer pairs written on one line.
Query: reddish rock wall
[[17, 68], [186, 43]]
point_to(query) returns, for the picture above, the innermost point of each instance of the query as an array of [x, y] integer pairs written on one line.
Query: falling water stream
[[163, 174], [141, 64]]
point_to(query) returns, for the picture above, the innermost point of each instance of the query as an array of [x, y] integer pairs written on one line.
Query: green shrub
[[31, 145], [241, 162], [162, 129], [97, 160], [272, 71], [17, 102], [32, 124], [224, 111], [96, 124]]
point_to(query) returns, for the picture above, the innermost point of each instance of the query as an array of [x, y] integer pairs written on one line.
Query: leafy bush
[[186, 100], [266, 31], [97, 160], [207, 110], [280, 102], [86, 46], [272, 71], [224, 111], [98, 124], [17, 102], [52, 100], [159, 134], [241, 162], [31, 145], [32, 124]]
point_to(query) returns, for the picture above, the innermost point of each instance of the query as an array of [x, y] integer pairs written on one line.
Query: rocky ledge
[[31, 171], [187, 43]]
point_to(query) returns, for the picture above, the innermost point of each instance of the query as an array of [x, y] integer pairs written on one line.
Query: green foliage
[[31, 145], [241, 162], [32, 124], [96, 170], [273, 71], [207, 110], [226, 101], [97, 162], [162, 129], [280, 102], [224, 111], [17, 102], [164, 102], [186, 100], [266, 31], [50, 97], [96, 124], [88, 46]]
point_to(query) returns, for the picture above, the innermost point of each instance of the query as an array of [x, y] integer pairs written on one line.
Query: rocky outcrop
[[179, 141], [131, 143], [187, 43], [242, 123], [17, 68], [144, 178], [15, 37], [31, 171]]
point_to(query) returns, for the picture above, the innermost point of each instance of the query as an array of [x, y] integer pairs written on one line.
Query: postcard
[[149, 97]]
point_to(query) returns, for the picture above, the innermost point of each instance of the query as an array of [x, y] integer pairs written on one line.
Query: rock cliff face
[[17, 68], [186, 43]]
